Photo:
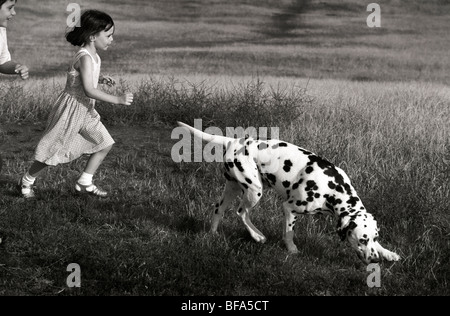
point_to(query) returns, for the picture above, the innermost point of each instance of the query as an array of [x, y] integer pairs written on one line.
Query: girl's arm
[[86, 69]]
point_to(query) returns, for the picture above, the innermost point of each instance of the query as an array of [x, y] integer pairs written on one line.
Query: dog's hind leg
[[231, 191]]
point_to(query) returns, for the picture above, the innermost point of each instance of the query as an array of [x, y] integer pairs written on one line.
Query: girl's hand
[[22, 70], [109, 81], [126, 99]]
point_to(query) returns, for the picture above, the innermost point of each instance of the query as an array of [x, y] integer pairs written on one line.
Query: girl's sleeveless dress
[[74, 127]]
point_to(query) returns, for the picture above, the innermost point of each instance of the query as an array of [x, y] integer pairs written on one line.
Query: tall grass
[[166, 100]]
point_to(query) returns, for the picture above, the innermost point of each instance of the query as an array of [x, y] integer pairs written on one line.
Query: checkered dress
[[74, 127]]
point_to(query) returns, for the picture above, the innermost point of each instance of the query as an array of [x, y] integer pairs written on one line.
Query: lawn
[[372, 101]]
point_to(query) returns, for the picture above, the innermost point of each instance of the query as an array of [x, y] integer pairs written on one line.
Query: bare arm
[[86, 69]]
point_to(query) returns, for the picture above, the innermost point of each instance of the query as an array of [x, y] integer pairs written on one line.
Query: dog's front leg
[[230, 192], [288, 228], [386, 254]]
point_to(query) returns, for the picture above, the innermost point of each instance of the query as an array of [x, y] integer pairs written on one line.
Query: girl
[[7, 66], [74, 127]]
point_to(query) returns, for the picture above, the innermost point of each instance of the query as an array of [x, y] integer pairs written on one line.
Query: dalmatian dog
[[307, 183]]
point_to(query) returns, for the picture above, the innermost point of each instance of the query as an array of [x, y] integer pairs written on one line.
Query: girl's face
[[7, 12], [104, 39]]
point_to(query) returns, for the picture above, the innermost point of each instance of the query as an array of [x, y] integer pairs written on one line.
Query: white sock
[[28, 180], [85, 179]]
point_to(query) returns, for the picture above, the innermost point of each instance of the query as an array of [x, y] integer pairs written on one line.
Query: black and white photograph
[[224, 154]]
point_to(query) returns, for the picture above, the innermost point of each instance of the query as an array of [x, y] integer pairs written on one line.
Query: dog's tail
[[214, 139]]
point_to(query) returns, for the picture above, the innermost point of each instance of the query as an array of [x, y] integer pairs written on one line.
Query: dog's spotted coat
[[307, 183]]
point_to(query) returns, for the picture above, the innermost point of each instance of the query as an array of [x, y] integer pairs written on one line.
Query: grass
[[151, 236], [374, 102]]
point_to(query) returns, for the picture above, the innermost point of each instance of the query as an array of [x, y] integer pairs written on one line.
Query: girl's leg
[[96, 160], [27, 181], [84, 183]]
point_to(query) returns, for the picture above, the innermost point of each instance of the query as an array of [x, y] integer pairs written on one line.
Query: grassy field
[[373, 101]]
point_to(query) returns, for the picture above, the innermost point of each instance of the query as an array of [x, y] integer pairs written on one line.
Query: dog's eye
[[363, 242]]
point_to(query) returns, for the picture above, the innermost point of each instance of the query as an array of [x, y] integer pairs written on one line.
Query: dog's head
[[361, 232]]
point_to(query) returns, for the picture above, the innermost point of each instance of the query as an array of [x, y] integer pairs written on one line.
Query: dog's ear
[[345, 229]]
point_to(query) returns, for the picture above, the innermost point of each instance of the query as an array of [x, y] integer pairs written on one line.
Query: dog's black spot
[[238, 165], [332, 200], [240, 210], [322, 163], [317, 195], [229, 165], [309, 170], [271, 178], [307, 153], [279, 145], [217, 205], [259, 194], [245, 185], [353, 200], [301, 203], [248, 181], [287, 165], [286, 184], [216, 211], [333, 173], [347, 188], [331, 185], [311, 185], [310, 199], [339, 189]]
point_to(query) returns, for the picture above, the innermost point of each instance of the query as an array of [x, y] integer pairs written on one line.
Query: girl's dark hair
[[3, 1], [91, 22]]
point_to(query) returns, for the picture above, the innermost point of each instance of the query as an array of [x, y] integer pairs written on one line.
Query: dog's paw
[[260, 239], [391, 256], [292, 249]]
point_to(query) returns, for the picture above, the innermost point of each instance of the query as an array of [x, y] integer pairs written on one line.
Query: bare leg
[[96, 160]]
